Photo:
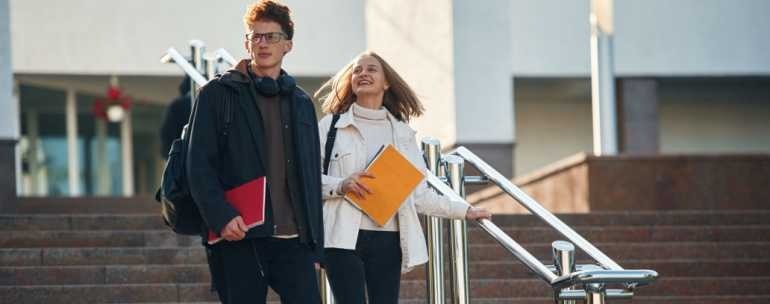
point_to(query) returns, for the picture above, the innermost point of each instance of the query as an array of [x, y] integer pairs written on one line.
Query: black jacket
[[218, 162]]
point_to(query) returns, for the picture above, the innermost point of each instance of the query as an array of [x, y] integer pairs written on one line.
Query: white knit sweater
[[377, 130]]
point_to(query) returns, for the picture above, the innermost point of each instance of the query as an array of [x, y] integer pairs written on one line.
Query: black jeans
[[375, 266], [241, 271]]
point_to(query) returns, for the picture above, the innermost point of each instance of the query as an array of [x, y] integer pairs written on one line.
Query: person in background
[[177, 115]]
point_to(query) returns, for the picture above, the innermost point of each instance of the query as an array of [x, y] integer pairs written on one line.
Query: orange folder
[[394, 180]]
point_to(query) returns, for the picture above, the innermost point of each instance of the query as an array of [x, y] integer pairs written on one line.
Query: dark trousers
[[374, 266], [241, 271]]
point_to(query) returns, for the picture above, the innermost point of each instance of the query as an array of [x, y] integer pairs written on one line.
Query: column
[[483, 77], [639, 119], [33, 137], [9, 113], [103, 174], [73, 155], [127, 148], [605, 133]]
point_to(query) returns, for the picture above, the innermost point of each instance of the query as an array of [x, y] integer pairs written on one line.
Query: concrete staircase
[[702, 256]]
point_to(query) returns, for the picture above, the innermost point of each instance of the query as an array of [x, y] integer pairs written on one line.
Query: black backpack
[[178, 209]]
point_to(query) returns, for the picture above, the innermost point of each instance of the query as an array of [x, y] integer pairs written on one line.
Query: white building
[[508, 78]]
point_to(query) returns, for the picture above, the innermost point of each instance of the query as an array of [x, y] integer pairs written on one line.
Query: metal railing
[[200, 66], [570, 282]]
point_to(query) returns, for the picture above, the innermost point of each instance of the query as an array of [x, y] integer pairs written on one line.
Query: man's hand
[[353, 185], [235, 229], [475, 213]]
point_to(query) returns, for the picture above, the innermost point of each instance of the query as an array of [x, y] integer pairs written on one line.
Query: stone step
[[134, 221], [640, 251], [671, 268], [643, 218], [491, 252], [110, 274], [199, 273], [81, 222], [410, 289], [667, 233], [535, 288], [98, 238], [122, 293], [83, 205], [636, 300], [101, 256], [166, 238]]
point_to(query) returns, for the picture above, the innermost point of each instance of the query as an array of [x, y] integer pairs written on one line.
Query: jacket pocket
[[341, 163]]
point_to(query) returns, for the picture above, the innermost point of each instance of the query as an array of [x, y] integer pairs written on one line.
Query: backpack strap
[[228, 115], [330, 137]]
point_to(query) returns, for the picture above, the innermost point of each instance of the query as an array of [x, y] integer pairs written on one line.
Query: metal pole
[[431, 148], [326, 290], [605, 133], [210, 65], [564, 260], [458, 238], [197, 48], [595, 293]]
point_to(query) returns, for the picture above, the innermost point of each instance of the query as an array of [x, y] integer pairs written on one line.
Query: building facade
[[508, 78]]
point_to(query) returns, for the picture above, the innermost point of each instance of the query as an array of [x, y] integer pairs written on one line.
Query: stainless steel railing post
[[564, 260], [325, 289], [431, 148], [458, 238], [197, 48], [210, 62], [595, 293]]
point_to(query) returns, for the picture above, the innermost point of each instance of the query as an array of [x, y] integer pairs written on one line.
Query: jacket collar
[[400, 127], [240, 72]]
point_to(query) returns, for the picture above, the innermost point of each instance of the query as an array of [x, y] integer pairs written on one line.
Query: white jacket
[[342, 220]]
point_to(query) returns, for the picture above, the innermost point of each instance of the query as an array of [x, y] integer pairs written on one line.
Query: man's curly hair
[[269, 10]]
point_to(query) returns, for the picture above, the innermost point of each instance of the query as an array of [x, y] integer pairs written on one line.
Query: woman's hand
[[353, 184], [475, 213]]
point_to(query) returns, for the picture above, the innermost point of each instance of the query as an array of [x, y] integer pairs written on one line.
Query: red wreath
[[115, 96]]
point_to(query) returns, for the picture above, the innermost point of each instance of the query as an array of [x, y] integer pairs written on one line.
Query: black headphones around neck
[[268, 86]]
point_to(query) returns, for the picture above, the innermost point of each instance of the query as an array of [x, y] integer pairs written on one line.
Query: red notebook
[[249, 200]]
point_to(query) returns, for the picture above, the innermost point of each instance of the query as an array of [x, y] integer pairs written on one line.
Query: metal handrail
[[636, 277], [536, 209], [225, 55], [581, 294], [613, 273], [172, 55], [506, 241]]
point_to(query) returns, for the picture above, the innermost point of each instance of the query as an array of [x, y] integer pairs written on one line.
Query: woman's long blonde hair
[[399, 98]]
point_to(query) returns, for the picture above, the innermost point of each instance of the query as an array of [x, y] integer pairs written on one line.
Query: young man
[[272, 133]]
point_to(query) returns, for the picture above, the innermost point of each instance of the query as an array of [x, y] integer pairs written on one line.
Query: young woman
[[362, 257]]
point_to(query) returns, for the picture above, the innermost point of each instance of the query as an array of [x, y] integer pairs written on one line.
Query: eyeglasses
[[270, 38]]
